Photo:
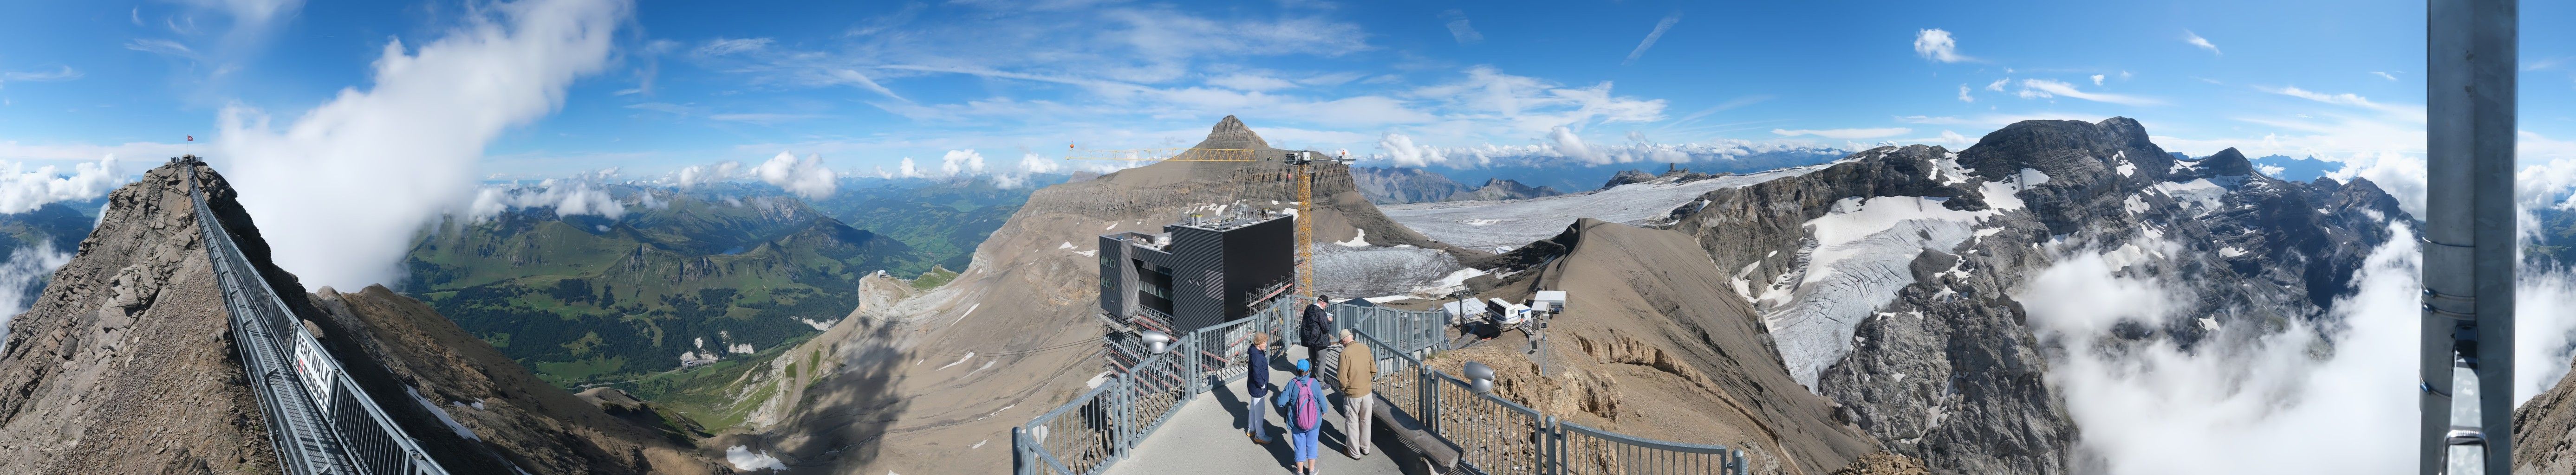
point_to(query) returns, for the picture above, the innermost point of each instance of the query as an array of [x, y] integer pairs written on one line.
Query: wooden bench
[[1437, 454]]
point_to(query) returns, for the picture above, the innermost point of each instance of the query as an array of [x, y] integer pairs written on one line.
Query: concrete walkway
[[1206, 436]]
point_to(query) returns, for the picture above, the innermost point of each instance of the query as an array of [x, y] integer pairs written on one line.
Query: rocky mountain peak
[[2227, 162], [2068, 149], [1230, 133]]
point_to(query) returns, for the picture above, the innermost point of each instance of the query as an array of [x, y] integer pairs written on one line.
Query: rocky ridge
[[125, 363], [1887, 278]]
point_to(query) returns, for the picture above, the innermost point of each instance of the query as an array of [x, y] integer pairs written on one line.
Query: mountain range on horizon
[[1894, 307]]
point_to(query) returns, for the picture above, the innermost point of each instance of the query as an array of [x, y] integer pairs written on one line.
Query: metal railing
[[1494, 436], [1416, 329], [320, 421]]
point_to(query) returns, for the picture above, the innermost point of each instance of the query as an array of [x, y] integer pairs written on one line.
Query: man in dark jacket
[[1315, 328], [1256, 383]]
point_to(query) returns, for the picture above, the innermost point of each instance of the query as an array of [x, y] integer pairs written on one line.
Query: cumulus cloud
[[341, 190], [1406, 154], [1565, 143], [1963, 94], [567, 198], [23, 190], [2048, 88], [2097, 79], [907, 169], [2196, 40], [1998, 85], [961, 162], [1844, 133], [1935, 44], [695, 175], [807, 177]]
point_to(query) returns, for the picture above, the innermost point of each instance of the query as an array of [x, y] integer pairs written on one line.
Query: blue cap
[[1305, 365]]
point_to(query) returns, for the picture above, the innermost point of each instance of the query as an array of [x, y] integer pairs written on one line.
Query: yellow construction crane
[[1305, 176]]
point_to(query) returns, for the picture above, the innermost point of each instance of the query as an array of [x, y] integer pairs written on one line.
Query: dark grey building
[[1201, 272]]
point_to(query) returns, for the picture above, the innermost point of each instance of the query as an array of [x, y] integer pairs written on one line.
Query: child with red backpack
[[1304, 398]]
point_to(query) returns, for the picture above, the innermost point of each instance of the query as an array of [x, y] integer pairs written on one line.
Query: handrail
[[1513, 440], [379, 446]]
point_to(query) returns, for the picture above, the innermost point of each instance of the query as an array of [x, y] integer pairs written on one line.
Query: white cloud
[[2348, 99], [1956, 141], [2313, 413], [2097, 79], [1651, 36], [2384, 75], [1963, 94], [855, 78], [1406, 154], [1034, 163], [806, 178], [342, 189], [567, 198], [2048, 88], [958, 162], [1998, 85], [26, 266], [727, 46], [62, 73], [1247, 82], [762, 118], [1565, 143], [1935, 44], [2196, 40], [1845, 133], [695, 175], [23, 190], [907, 169], [1459, 30]]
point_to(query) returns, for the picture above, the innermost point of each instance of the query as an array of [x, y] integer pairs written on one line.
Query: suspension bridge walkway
[[1183, 410], [318, 420]]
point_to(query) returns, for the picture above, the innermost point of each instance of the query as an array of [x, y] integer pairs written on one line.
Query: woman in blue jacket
[[1304, 398]]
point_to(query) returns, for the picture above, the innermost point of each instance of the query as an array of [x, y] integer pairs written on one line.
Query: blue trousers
[[1304, 442]]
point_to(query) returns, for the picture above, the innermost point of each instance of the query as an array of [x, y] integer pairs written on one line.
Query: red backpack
[[1309, 415]]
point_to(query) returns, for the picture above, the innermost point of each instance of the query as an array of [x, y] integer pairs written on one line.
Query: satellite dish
[[1155, 341], [1480, 377]]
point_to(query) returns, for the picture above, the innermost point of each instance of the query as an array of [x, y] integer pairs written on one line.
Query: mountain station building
[[1200, 272]]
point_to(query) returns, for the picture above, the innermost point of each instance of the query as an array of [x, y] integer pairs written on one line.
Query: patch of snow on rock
[[1357, 240], [744, 459]]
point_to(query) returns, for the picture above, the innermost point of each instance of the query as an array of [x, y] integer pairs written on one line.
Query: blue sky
[[865, 84]]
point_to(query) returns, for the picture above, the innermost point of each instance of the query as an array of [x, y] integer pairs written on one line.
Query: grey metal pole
[[2469, 221]]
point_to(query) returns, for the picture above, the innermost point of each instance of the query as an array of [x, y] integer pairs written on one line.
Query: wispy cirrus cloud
[[2049, 88], [1658, 33], [2195, 40], [1845, 133], [1459, 29]]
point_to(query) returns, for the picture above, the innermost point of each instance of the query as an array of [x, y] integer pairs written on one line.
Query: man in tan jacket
[[1358, 367]]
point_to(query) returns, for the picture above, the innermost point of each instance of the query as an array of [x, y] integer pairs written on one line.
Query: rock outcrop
[[126, 363], [1887, 277]]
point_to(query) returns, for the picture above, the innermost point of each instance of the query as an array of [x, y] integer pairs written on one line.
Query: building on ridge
[[1200, 272]]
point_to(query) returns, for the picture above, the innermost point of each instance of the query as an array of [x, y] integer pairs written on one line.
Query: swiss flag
[[192, 138]]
